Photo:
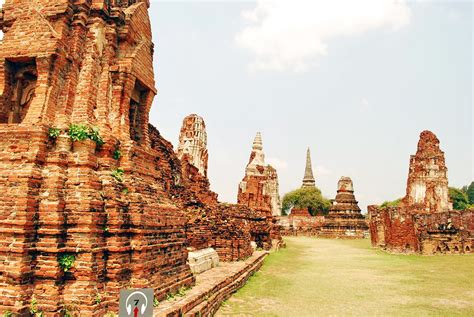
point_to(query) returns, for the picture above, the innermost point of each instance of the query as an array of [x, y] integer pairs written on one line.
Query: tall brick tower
[[79, 215], [427, 185]]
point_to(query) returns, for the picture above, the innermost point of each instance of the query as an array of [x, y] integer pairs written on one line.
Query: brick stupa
[[344, 219]]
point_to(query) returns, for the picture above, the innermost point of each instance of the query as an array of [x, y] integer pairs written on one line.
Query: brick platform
[[212, 288]]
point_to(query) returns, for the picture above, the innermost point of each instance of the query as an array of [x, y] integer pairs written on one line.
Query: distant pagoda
[[308, 179]]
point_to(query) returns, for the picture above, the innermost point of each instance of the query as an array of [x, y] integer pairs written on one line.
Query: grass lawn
[[321, 277]]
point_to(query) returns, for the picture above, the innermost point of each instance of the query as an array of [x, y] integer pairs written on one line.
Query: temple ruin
[[259, 188], [344, 219], [308, 179], [424, 222], [96, 199], [193, 142]]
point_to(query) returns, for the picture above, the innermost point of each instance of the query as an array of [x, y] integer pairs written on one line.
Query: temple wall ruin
[[424, 222], [117, 202]]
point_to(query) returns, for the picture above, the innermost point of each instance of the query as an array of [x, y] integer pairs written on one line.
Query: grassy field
[[319, 277]]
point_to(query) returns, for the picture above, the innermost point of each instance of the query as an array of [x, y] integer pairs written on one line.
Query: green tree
[[394, 203], [459, 198], [470, 193], [310, 198]]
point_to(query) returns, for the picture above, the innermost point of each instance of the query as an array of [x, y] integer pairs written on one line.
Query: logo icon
[[136, 303]]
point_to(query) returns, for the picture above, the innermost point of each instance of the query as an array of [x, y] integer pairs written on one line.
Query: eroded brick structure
[[344, 219], [424, 221], [120, 211], [193, 142], [259, 188]]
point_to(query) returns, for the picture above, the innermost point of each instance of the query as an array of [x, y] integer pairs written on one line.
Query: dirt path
[[319, 277]]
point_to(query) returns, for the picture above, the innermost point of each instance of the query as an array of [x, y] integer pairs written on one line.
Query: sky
[[355, 81]]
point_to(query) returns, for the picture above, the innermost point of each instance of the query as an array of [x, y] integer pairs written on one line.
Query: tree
[[459, 198], [394, 203], [309, 197], [470, 193]]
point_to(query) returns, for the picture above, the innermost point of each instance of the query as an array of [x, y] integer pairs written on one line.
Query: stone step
[[212, 288]]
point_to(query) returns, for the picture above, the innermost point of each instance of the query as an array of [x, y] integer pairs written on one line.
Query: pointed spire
[[257, 143], [308, 180]]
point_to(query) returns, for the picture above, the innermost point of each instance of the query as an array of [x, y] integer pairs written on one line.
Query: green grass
[[321, 277]]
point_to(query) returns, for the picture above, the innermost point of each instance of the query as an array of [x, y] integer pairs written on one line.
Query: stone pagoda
[[345, 219], [193, 142], [308, 179], [259, 188]]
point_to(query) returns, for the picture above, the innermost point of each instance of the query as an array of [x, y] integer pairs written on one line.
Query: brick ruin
[[259, 188], [344, 219], [193, 142], [95, 199], [227, 228], [424, 221]]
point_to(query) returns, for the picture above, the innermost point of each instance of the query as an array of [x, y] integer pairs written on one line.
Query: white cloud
[[293, 35], [322, 170], [277, 163]]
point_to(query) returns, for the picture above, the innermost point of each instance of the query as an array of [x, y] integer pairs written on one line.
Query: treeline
[[462, 198]]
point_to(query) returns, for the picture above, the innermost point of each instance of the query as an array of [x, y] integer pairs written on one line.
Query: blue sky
[[356, 81], [358, 98]]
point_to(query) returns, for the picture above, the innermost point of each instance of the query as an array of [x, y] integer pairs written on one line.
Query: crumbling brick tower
[[259, 188], [424, 222], [427, 185], [70, 65]]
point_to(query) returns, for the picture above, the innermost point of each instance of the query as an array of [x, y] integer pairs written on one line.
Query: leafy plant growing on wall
[[34, 309], [117, 155], [66, 261], [117, 174], [81, 132], [53, 133]]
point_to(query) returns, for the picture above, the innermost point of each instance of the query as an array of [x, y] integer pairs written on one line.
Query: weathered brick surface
[[227, 228], [66, 62], [295, 225], [424, 222]]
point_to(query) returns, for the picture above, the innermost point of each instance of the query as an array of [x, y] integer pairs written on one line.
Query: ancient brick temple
[[308, 179], [193, 142], [344, 219], [424, 222], [93, 198], [259, 188]]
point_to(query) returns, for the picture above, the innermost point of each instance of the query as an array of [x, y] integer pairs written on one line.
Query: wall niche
[[20, 87]]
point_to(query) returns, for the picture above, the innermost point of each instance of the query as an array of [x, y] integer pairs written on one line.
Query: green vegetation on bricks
[[81, 132]]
